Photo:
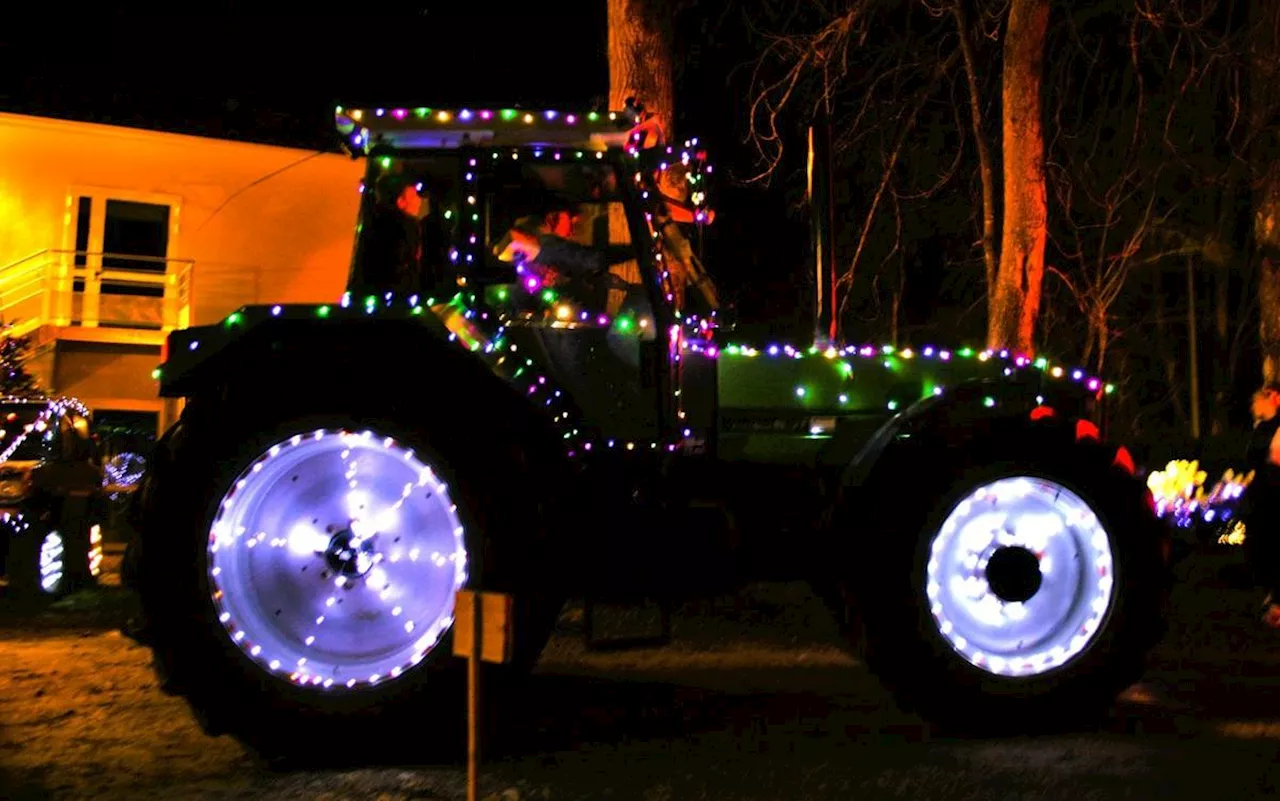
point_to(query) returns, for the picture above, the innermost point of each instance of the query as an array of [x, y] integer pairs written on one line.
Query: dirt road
[[753, 700]]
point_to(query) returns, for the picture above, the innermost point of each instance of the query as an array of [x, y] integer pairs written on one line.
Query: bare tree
[[1016, 302], [815, 69], [1265, 68]]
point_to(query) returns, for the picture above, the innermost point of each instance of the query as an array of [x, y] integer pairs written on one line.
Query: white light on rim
[[1077, 582], [304, 567]]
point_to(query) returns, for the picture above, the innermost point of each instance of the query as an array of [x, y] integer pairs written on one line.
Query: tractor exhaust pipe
[[822, 222]]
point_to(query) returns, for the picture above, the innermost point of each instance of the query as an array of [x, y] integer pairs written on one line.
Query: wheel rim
[[1020, 577], [335, 558], [51, 562]]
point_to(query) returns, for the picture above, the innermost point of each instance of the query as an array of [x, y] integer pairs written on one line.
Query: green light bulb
[[508, 114], [323, 311]]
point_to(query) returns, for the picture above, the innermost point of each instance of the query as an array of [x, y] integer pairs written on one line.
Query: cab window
[[563, 230]]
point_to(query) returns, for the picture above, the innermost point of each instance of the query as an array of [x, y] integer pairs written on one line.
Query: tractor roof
[[435, 128]]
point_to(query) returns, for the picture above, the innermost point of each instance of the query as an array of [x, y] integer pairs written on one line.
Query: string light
[[379, 568], [478, 321]]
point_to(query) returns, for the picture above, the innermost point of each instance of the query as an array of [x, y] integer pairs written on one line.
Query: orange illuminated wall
[[262, 224]]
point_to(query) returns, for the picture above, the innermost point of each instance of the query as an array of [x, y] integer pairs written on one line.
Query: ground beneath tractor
[[755, 699]]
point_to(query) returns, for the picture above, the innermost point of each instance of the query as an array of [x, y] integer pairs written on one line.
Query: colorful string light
[[479, 321]]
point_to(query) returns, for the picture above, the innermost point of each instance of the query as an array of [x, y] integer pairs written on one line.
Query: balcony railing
[[78, 288]]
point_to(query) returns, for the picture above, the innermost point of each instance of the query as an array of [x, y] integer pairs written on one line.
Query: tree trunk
[[640, 66], [1266, 221], [986, 168], [1016, 304], [640, 57]]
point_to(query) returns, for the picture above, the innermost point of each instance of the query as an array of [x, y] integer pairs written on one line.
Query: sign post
[[481, 633]]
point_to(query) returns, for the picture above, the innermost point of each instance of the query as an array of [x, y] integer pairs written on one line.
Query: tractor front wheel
[[1027, 597]]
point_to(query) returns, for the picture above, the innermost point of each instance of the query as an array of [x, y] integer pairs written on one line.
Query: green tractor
[[542, 405]]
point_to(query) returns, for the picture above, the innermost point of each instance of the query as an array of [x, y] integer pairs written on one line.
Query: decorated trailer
[[543, 405]]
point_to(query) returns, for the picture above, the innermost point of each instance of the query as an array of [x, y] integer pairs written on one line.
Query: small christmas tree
[[15, 381]]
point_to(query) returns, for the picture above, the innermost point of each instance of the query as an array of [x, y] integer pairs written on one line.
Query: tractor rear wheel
[[298, 578]]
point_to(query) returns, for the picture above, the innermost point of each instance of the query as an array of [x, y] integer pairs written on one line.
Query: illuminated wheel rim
[[334, 559], [1020, 577], [52, 568]]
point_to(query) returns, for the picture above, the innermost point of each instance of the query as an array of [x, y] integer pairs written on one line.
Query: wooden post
[[482, 633], [473, 701]]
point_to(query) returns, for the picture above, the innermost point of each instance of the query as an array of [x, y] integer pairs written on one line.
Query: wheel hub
[[1013, 573], [349, 554]]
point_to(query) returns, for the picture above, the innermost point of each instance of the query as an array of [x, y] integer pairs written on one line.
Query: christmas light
[[977, 561], [366, 583], [478, 321], [1180, 498]]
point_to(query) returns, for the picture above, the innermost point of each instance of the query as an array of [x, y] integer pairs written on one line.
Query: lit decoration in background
[[53, 409], [123, 472], [1180, 497], [1020, 576], [1178, 490], [353, 590]]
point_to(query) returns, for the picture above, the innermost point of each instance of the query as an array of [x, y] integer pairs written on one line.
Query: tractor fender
[[971, 423], [404, 369], [411, 363]]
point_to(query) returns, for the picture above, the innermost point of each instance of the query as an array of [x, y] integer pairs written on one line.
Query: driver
[[547, 242]]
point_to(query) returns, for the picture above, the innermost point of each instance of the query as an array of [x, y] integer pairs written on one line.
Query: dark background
[[231, 69]]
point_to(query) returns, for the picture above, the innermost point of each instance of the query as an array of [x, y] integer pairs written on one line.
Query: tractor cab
[[562, 235]]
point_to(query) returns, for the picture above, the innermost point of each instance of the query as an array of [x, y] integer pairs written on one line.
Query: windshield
[[556, 234], [408, 215], [34, 446]]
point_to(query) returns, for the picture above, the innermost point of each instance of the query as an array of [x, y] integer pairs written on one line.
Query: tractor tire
[[297, 578], [47, 563], [1017, 595]]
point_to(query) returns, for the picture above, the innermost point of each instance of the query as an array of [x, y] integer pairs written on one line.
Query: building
[[111, 237]]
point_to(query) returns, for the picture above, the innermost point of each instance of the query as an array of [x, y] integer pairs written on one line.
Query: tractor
[[546, 407]]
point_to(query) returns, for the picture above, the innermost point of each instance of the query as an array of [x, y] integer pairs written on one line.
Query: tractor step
[[595, 642]]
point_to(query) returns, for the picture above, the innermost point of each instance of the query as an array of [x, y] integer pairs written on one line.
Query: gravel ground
[[754, 699]]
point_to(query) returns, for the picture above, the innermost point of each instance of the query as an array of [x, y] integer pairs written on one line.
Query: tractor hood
[[784, 404]]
